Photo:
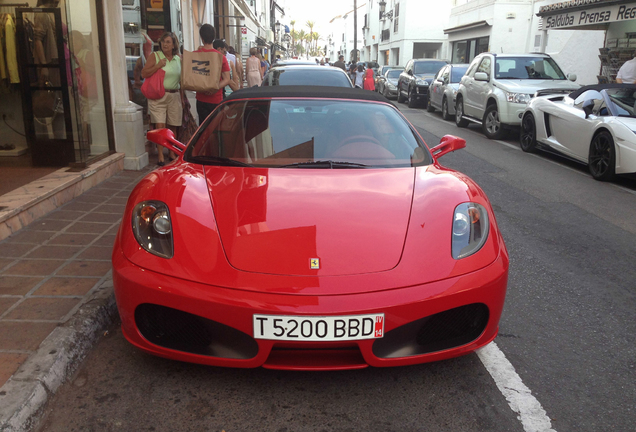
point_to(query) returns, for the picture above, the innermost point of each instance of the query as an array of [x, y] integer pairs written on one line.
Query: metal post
[[355, 31]]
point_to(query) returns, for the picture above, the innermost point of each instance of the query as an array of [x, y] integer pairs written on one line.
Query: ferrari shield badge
[[314, 263]]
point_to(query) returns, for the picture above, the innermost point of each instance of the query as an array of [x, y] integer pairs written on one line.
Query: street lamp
[[277, 26], [384, 15]]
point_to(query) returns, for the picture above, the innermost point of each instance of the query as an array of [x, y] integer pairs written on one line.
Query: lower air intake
[[442, 331], [182, 331]]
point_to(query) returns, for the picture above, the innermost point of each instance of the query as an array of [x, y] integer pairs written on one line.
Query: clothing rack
[[14, 5]]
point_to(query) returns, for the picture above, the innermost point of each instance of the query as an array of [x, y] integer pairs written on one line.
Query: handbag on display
[[201, 71], [153, 87], [44, 102]]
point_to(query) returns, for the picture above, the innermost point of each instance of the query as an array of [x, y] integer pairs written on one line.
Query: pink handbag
[[153, 87]]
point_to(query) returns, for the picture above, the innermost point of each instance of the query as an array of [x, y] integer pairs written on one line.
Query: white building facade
[[399, 30]]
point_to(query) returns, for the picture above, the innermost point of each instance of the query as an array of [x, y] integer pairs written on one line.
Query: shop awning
[[586, 14], [469, 26], [261, 41]]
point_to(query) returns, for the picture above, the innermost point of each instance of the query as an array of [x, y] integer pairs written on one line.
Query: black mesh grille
[[182, 331], [453, 327], [444, 330]]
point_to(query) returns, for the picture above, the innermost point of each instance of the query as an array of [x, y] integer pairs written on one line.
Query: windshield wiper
[[223, 161], [324, 164]]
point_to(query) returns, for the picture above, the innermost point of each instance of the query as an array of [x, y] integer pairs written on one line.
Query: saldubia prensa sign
[[592, 16]]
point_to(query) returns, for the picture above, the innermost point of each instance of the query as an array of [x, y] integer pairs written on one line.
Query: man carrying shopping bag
[[205, 71]]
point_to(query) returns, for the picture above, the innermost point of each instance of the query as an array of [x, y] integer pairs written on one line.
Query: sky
[[321, 12]]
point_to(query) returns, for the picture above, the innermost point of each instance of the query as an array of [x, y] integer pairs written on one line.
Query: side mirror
[[410, 72], [448, 144], [588, 106], [165, 138], [572, 77], [481, 76]]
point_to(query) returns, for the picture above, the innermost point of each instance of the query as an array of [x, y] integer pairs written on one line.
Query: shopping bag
[[153, 87], [201, 71]]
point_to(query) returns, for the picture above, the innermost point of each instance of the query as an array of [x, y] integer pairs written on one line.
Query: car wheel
[[459, 112], [491, 125], [429, 107], [400, 98], [411, 102], [445, 114], [528, 135], [602, 159]]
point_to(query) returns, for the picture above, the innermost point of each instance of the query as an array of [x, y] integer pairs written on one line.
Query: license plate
[[318, 328]]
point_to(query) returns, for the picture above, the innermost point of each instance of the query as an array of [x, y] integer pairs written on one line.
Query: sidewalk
[[56, 296]]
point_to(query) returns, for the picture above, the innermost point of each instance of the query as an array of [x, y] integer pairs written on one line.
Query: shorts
[[167, 110]]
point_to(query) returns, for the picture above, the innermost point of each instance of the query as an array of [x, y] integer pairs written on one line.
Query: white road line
[[530, 412]]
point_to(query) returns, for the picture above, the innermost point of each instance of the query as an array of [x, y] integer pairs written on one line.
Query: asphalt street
[[567, 329]]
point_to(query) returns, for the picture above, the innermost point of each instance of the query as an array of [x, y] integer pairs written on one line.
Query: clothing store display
[[8, 50]]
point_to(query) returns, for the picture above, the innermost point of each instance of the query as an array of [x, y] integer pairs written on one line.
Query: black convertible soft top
[[600, 87], [307, 92]]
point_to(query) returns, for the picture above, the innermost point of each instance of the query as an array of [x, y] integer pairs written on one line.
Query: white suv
[[496, 87]]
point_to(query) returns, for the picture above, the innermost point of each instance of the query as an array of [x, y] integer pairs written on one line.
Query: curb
[[24, 397]]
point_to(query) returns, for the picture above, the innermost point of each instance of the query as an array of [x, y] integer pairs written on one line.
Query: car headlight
[[421, 82], [520, 98], [152, 228], [470, 229]]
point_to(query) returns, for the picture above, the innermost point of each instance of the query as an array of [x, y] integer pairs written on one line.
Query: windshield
[[428, 67], [623, 101], [527, 68], [394, 73], [298, 133], [457, 73], [304, 76]]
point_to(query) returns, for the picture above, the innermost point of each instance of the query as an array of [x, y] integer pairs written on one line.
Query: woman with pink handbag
[[163, 72]]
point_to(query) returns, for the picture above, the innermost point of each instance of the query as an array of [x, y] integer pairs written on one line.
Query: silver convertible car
[[595, 125]]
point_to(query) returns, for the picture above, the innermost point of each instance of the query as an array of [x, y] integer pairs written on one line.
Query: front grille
[[182, 331], [449, 329]]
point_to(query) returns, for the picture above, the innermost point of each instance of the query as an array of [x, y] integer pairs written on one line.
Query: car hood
[[336, 218], [629, 122], [393, 81], [424, 76], [530, 86]]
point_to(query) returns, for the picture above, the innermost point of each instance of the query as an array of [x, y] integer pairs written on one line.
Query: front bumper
[[510, 113], [145, 299], [420, 92]]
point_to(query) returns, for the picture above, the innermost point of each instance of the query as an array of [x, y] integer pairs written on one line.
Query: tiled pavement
[[49, 269]]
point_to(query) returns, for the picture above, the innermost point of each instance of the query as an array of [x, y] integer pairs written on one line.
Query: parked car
[[291, 232], [496, 88], [415, 79], [380, 74], [443, 90], [594, 125], [294, 62], [387, 83], [307, 75]]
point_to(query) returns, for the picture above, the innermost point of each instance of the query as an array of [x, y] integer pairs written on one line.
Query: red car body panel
[[200, 255]]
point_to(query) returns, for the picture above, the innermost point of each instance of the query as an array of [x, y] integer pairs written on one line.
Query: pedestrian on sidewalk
[[168, 110], [207, 101]]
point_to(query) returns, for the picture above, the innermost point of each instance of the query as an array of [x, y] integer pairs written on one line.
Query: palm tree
[[315, 36], [311, 25], [293, 34], [302, 36]]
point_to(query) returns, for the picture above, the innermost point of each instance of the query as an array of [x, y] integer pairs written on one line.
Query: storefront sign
[[156, 4], [244, 30], [592, 16]]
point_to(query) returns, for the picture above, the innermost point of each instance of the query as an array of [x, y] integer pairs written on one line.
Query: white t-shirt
[[627, 72], [359, 79], [231, 58]]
